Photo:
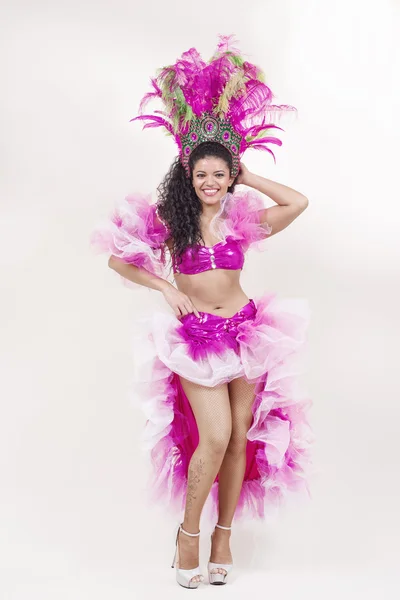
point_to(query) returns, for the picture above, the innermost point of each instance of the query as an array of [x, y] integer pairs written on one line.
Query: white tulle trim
[[279, 410], [239, 217], [134, 235], [211, 371]]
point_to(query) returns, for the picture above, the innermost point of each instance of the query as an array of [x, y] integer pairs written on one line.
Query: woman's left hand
[[243, 174]]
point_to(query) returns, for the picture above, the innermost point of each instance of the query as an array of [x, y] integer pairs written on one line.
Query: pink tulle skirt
[[262, 342]]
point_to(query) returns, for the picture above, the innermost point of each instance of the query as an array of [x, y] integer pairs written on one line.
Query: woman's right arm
[[179, 302]]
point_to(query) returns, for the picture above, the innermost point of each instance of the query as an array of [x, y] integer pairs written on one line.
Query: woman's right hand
[[179, 302]]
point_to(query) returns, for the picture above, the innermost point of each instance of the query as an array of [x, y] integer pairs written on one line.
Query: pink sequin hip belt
[[211, 333]]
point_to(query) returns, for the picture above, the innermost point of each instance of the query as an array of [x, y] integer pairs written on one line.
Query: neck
[[209, 211]]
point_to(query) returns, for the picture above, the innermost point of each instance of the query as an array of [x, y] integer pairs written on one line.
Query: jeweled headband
[[224, 100]]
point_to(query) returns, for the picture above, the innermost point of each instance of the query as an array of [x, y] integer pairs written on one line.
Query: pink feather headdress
[[224, 100]]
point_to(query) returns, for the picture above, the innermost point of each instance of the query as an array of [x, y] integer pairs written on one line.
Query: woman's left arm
[[290, 203]]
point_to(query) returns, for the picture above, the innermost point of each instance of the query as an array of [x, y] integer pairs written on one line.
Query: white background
[[74, 520]]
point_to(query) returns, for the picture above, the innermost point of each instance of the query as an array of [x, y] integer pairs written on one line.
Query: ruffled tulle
[[279, 439], [134, 234], [239, 217]]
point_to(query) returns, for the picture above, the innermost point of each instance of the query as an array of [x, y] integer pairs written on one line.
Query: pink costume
[[261, 343]]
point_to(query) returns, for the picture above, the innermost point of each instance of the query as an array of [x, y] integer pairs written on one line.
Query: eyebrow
[[219, 171]]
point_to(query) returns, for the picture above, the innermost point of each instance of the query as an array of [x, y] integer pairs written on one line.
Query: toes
[[219, 571]]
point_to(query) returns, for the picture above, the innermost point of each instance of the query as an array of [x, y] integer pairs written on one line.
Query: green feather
[[260, 134], [236, 60], [235, 84]]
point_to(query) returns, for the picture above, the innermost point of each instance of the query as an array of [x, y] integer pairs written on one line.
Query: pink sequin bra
[[223, 255]]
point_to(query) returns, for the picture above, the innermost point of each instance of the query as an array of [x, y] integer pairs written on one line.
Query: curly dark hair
[[178, 204]]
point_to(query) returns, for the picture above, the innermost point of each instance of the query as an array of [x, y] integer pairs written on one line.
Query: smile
[[210, 192]]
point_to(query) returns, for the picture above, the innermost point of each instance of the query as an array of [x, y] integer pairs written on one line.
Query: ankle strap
[[187, 533], [221, 527]]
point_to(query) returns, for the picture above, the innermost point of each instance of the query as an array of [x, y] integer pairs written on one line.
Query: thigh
[[241, 397], [211, 409]]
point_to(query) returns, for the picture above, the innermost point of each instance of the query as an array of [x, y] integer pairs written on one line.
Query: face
[[211, 179]]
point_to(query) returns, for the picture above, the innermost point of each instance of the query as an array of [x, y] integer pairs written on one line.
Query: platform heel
[[184, 576], [219, 578]]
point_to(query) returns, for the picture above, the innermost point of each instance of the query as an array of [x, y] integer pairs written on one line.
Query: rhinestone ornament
[[211, 129]]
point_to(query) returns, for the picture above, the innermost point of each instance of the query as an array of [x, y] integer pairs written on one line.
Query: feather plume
[[281, 108], [227, 87], [264, 140], [234, 86], [257, 95], [153, 122], [192, 57], [226, 44], [237, 61], [253, 72], [217, 74], [256, 130], [150, 95]]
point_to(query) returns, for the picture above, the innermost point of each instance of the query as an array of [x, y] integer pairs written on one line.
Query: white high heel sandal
[[184, 576], [219, 578]]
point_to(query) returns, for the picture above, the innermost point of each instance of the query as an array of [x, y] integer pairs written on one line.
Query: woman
[[223, 414]]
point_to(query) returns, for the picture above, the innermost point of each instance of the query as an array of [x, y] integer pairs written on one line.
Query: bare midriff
[[217, 291]]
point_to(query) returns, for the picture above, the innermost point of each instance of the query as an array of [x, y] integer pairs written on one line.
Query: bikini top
[[135, 234], [227, 254]]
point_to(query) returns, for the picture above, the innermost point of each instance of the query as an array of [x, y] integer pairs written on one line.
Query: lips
[[210, 192]]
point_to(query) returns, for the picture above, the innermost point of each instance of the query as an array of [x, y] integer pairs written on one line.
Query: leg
[[211, 408], [241, 395], [233, 467]]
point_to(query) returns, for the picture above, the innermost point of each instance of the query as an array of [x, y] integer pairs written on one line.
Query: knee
[[237, 442], [217, 441]]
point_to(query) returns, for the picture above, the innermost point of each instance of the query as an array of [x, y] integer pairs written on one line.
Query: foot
[[188, 552], [220, 549]]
